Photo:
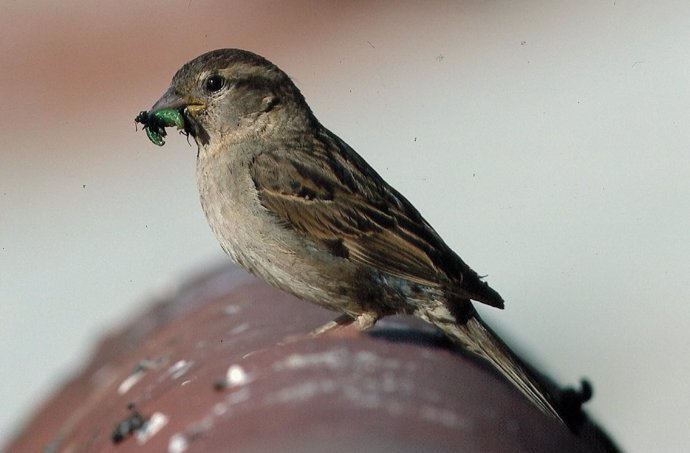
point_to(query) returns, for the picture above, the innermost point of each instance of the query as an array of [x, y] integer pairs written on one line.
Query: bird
[[295, 205]]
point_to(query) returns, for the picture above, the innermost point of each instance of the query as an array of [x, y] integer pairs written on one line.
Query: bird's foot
[[366, 320]]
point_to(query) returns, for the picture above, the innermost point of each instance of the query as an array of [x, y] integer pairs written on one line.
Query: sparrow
[[295, 205]]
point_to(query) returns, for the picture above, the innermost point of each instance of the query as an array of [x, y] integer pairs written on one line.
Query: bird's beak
[[188, 107], [172, 100]]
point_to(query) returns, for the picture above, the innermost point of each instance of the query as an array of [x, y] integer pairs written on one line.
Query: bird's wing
[[328, 193]]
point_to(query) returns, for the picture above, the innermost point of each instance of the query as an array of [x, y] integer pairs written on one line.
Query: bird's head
[[226, 94]]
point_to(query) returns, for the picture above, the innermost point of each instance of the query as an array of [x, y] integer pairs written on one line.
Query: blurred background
[[546, 141]]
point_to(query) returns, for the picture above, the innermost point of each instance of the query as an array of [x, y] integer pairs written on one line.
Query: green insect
[[156, 122]]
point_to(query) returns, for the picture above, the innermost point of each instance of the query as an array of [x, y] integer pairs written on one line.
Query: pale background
[[546, 141]]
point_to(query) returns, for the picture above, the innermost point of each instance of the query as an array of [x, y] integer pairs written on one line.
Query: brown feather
[[375, 225]]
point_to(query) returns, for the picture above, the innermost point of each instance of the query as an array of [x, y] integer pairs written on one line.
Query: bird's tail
[[475, 336]]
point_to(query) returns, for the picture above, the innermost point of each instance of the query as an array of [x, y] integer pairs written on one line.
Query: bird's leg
[[339, 322], [361, 322]]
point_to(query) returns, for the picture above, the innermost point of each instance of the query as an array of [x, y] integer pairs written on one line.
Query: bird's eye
[[215, 83]]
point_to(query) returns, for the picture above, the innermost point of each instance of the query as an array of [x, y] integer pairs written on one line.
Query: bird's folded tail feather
[[477, 337]]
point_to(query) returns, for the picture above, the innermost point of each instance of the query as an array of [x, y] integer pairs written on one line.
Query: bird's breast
[[231, 204], [250, 234]]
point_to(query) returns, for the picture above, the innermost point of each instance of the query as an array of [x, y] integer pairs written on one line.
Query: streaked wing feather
[[328, 193], [326, 208]]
